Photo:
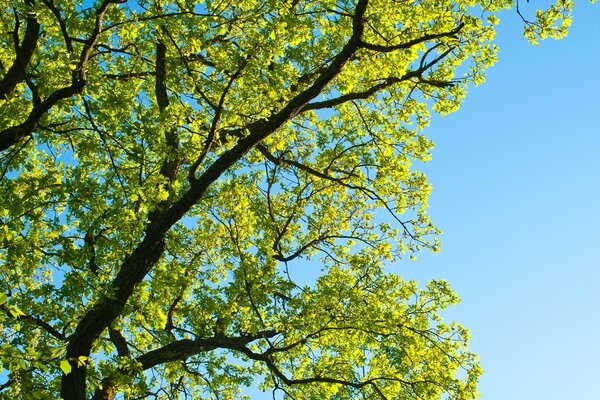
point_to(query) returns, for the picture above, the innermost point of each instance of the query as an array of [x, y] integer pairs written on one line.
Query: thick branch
[[182, 349], [210, 140], [171, 163], [14, 134], [6, 384], [117, 338], [108, 390], [24, 52], [146, 255], [160, 86]]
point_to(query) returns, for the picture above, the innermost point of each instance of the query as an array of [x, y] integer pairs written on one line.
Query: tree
[[171, 170]]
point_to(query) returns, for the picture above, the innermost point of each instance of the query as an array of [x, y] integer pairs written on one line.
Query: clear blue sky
[[516, 179]]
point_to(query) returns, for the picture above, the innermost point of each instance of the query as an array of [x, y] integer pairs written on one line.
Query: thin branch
[[6, 384], [318, 105], [14, 134], [215, 121], [129, 75], [61, 23], [45, 326], [413, 42], [182, 349]]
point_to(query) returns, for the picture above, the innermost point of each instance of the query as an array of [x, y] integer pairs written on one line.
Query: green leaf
[[81, 361], [65, 366], [176, 181], [14, 311]]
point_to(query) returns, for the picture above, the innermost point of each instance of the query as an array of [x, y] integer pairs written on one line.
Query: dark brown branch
[[199, 57], [61, 23], [155, 17], [36, 321], [160, 86], [169, 324], [7, 158], [13, 134], [135, 267], [91, 42], [108, 390], [24, 51], [265, 357], [6, 384], [372, 382], [284, 161], [424, 66], [117, 338], [215, 121], [129, 75], [314, 243], [368, 192], [182, 349], [184, 60], [172, 162], [413, 42], [318, 105], [45, 326]]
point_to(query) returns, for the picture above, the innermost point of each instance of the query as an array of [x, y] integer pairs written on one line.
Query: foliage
[[172, 170]]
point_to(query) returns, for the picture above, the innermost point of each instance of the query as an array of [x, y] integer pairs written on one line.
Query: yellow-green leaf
[[65, 366]]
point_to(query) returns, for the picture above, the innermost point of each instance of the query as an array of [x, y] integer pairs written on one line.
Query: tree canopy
[[172, 171]]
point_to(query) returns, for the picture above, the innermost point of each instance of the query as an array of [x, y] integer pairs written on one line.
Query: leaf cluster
[[173, 173]]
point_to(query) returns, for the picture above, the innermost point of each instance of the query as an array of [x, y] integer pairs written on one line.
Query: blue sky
[[516, 190]]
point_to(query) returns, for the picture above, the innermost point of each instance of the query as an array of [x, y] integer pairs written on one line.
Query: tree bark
[[148, 253], [16, 73]]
